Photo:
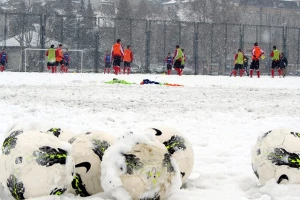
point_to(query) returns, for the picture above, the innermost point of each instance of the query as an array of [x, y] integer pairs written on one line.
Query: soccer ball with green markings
[[88, 151], [178, 146], [139, 167], [276, 155], [35, 164]]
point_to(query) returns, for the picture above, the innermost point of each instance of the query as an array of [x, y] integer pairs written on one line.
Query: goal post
[[74, 55]]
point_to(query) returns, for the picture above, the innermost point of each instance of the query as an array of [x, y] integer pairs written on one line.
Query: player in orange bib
[[257, 52], [117, 53], [128, 58]]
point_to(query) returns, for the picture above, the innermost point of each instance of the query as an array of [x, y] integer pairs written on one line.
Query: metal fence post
[[115, 30], [165, 37], [5, 30], [196, 43], [298, 51], [148, 39], [226, 46], [179, 32], [130, 32], [242, 31], [211, 48], [42, 40], [22, 41], [284, 40], [97, 37], [62, 29]]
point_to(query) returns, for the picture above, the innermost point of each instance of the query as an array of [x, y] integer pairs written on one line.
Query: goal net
[[36, 60]]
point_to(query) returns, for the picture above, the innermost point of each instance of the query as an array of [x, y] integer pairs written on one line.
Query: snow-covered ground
[[222, 117]]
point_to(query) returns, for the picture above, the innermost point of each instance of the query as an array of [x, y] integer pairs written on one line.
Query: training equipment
[[276, 155], [35, 56], [88, 151], [139, 167], [35, 164], [178, 146]]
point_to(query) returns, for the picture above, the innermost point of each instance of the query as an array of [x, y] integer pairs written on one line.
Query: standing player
[[3, 60], [238, 63], [257, 52], [169, 61], [275, 62], [107, 61], [178, 59], [51, 58], [128, 58], [283, 64], [117, 55], [246, 59], [182, 62], [66, 61], [59, 58]]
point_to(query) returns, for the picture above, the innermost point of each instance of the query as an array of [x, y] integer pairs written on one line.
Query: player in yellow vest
[[238, 63], [51, 58], [178, 56], [275, 62]]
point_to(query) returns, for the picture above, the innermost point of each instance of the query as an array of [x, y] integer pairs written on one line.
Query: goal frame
[[69, 50]]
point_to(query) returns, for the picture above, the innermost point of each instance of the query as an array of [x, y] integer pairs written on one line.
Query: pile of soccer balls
[[50, 161]]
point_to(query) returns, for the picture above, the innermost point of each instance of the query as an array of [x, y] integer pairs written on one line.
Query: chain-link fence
[[209, 47]]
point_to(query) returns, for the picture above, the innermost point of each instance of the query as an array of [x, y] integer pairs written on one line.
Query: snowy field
[[222, 117]]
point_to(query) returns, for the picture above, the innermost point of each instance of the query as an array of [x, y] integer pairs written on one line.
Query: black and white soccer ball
[[139, 167], [178, 146], [35, 164], [88, 152], [276, 155]]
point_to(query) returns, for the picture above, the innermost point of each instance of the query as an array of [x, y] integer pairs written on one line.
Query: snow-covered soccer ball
[[35, 164], [178, 146], [276, 155], [88, 151], [139, 167]]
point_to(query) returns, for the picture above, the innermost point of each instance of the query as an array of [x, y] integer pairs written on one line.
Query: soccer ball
[[276, 155], [139, 167], [178, 146], [88, 151], [35, 164]]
